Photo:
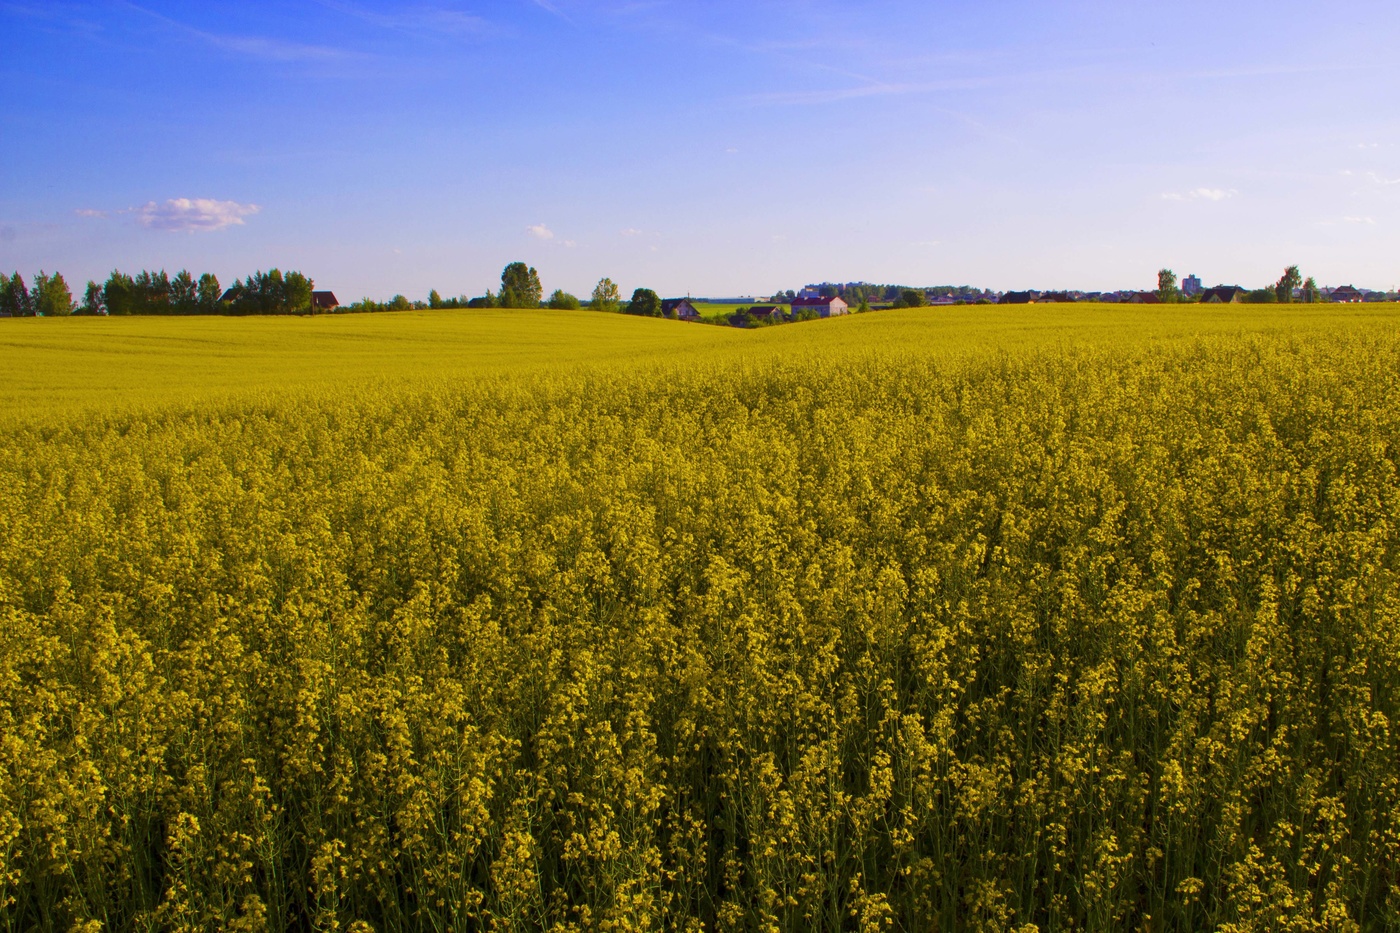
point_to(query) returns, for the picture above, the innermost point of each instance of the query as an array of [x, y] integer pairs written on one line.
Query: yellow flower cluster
[[1089, 637]]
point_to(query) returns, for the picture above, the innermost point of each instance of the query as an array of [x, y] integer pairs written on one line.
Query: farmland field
[[1033, 618]]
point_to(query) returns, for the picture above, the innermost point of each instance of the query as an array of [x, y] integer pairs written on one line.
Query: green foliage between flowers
[[1085, 633]]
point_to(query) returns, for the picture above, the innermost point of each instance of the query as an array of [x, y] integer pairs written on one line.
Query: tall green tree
[[51, 295], [36, 292], [184, 293], [296, 293], [119, 294], [1310, 290], [92, 300], [9, 300], [210, 294], [644, 303], [606, 296], [1290, 280], [152, 292], [271, 292], [520, 286], [1166, 286], [563, 301], [17, 298]]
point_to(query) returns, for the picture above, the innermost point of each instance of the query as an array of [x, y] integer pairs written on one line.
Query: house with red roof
[[825, 307]]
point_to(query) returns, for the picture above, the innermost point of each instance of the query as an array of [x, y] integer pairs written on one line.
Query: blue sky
[[715, 148]]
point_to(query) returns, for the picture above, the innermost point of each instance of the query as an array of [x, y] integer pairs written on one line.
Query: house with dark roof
[[680, 309], [1056, 298], [825, 307], [1223, 295], [1019, 298], [1346, 295], [767, 314], [324, 301], [1144, 298]]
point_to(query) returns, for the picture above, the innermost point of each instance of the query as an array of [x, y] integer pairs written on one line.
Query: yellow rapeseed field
[[1037, 618]]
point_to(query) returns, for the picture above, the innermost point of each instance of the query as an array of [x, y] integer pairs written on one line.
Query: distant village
[[830, 299]]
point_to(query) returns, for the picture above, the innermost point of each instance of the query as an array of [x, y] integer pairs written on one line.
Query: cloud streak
[[540, 232], [1201, 194], [860, 92], [552, 9], [423, 19], [259, 47], [194, 215]]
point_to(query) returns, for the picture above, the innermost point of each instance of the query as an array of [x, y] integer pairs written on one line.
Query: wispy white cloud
[[1201, 194], [424, 18], [276, 50], [869, 87], [1381, 180], [66, 16], [631, 231], [260, 47], [553, 9], [858, 92], [1356, 220], [540, 232], [1267, 71], [89, 212], [194, 215]]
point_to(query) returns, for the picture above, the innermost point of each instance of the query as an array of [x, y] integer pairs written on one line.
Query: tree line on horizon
[[521, 289], [1281, 292], [276, 292], [865, 294], [157, 293]]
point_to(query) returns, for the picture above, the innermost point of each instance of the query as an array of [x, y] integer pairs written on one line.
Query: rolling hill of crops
[[1042, 618]]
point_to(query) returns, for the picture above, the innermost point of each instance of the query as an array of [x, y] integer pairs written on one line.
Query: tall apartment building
[[1191, 285]]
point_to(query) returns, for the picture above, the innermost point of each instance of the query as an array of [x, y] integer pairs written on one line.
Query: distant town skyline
[[703, 149]]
